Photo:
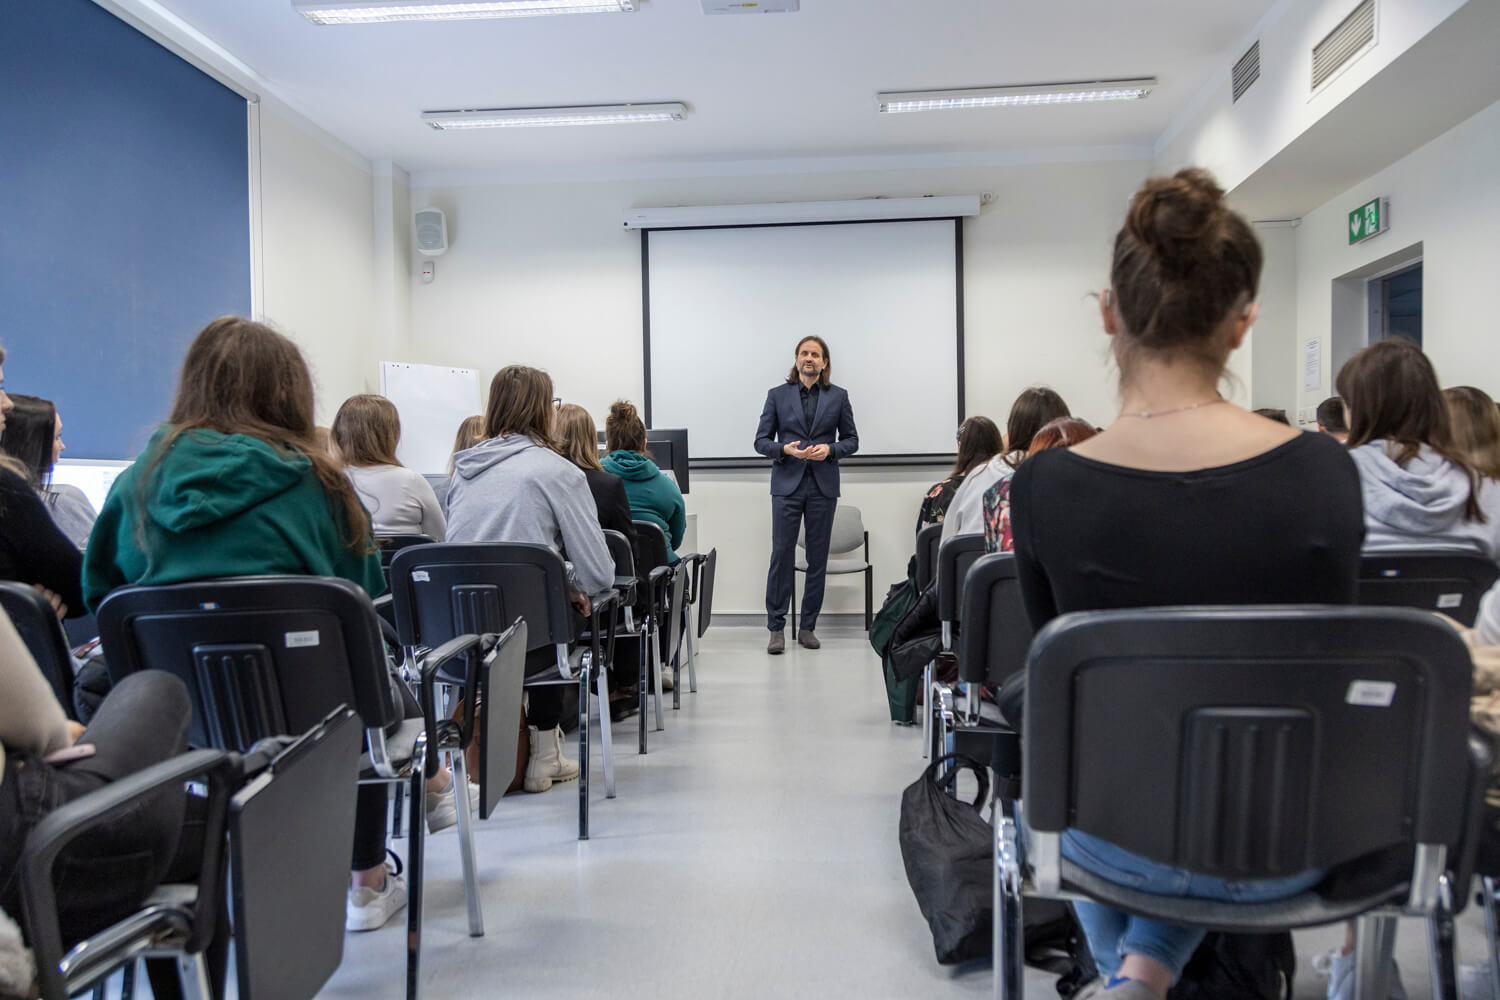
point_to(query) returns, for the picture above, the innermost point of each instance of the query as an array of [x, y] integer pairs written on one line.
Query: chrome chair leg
[[1009, 942], [656, 673], [692, 664], [1440, 941], [927, 711], [1491, 927], [583, 754], [1374, 942], [466, 845], [606, 737], [641, 691], [192, 970]]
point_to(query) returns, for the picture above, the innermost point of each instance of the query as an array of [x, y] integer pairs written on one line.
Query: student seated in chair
[[515, 486], [366, 431], [1204, 485], [234, 484], [47, 761], [1033, 409], [33, 437]]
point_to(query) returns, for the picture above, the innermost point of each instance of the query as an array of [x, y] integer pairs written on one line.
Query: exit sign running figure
[[1370, 219]]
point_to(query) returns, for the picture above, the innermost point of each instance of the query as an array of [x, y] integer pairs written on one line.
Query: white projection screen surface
[[726, 307]]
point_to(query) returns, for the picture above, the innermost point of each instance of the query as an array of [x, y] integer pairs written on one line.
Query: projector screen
[[725, 307]]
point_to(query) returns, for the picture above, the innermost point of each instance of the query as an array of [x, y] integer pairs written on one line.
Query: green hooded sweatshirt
[[653, 497], [221, 505]]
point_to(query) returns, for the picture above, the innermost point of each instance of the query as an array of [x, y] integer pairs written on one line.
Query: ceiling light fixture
[[369, 11], [602, 114], [1009, 97]]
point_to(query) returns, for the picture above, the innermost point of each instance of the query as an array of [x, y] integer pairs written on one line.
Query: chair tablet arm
[[385, 610], [693, 563], [58, 829], [478, 653]]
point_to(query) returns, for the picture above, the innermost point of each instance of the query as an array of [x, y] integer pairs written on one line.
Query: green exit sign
[[1369, 219]]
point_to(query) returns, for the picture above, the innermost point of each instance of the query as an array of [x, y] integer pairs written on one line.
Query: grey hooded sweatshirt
[[509, 489], [1422, 505]]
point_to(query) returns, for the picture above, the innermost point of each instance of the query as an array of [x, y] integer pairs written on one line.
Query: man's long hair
[[824, 378]]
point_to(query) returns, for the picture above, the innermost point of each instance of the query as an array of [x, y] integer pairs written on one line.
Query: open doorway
[[1396, 305]]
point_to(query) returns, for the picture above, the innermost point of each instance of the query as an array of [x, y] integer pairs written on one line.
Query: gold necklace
[[1148, 414]]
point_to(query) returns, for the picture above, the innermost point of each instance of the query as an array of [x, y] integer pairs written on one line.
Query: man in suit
[[806, 427]]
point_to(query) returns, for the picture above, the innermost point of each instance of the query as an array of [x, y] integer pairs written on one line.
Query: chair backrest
[[391, 544], [1448, 581], [997, 631], [261, 656], [289, 834], [928, 540], [619, 551], [1267, 740], [449, 589], [847, 534], [37, 624], [705, 590], [654, 549], [955, 556]]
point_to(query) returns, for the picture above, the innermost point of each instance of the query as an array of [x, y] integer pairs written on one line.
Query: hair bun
[[622, 410], [1171, 216]]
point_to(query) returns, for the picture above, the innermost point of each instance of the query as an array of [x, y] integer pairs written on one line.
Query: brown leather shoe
[[777, 645], [808, 638]]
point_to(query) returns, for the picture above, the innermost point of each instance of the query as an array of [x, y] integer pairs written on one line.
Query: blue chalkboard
[[124, 217]]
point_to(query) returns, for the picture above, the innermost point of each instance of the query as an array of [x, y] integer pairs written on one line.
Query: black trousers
[[805, 506]]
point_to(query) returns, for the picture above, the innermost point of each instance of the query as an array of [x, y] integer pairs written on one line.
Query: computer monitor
[[669, 450]]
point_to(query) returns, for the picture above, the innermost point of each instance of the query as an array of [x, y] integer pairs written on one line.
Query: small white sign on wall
[[1312, 365]]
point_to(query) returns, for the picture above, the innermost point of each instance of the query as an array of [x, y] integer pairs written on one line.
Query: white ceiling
[[757, 86]]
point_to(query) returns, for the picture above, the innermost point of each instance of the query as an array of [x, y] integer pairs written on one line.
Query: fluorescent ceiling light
[[1006, 97], [604, 114], [366, 11]]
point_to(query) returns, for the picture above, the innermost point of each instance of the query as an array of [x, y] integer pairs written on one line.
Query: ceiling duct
[[1353, 34], [1246, 71]]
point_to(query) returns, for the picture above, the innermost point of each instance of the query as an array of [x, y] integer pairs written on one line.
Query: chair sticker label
[[1371, 694], [1450, 600], [420, 576], [296, 640]]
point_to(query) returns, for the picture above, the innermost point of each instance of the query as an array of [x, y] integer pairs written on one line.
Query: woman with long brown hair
[[1420, 489], [365, 433], [1476, 427], [235, 483], [979, 441], [1033, 409], [514, 486]]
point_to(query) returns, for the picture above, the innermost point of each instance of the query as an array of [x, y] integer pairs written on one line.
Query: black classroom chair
[[272, 655], [1275, 740], [630, 587], [37, 624], [450, 588], [954, 558], [928, 540], [1450, 581], [667, 591]]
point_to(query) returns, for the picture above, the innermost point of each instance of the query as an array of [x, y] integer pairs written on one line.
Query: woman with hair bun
[[653, 496], [1204, 484]]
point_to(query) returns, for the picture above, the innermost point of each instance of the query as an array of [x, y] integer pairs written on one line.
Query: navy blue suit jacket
[[783, 421]]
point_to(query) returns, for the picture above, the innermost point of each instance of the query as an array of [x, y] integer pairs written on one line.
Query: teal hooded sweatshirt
[[221, 505], [653, 497]]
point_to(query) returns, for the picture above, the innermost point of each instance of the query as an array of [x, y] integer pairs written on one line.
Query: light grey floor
[[751, 854]]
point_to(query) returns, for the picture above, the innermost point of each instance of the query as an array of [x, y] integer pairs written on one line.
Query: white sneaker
[[369, 908], [441, 812], [1339, 968]]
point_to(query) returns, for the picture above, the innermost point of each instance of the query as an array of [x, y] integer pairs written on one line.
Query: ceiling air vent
[[1246, 71], [1343, 43]]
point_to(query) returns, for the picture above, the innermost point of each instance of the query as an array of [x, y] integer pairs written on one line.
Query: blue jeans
[[1112, 935]]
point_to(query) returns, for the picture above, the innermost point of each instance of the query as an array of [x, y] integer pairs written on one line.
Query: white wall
[[545, 274], [1445, 195], [1234, 140], [1274, 338], [317, 247]]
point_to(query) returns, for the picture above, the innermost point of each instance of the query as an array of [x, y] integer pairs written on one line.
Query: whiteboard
[[432, 401], [727, 307]]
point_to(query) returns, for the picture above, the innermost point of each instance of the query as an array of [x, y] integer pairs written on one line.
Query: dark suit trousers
[[788, 513]]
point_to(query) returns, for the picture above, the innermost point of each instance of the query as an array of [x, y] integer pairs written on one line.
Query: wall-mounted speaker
[[432, 231]]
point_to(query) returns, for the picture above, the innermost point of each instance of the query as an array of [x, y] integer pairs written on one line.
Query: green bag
[[902, 694]]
